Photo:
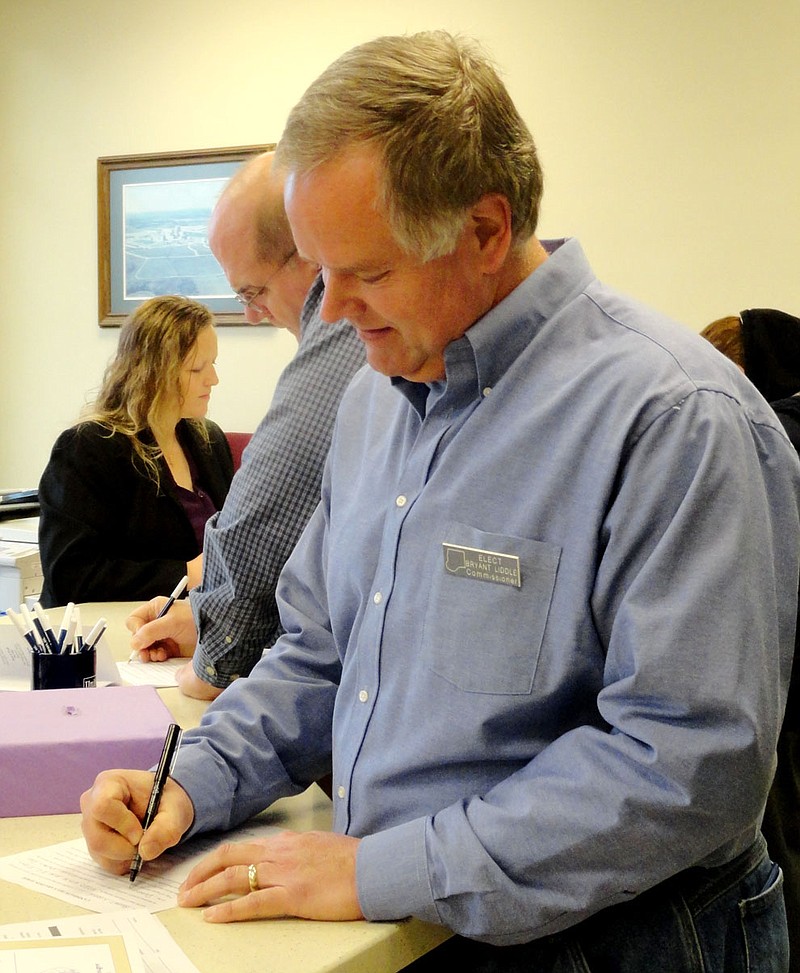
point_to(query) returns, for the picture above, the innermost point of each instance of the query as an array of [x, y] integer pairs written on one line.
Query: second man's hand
[[155, 639], [191, 685]]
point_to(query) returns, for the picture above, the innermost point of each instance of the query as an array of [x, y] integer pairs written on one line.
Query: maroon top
[[197, 503]]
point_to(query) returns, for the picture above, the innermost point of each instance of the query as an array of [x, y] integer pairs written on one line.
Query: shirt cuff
[[207, 800], [392, 874], [223, 670]]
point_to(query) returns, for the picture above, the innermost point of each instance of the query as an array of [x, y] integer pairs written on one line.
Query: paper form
[[15, 660], [151, 673], [150, 947], [66, 872]]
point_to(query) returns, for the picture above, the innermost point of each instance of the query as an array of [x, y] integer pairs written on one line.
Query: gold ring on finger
[[252, 878]]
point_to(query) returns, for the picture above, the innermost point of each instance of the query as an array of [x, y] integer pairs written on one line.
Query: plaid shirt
[[270, 501]]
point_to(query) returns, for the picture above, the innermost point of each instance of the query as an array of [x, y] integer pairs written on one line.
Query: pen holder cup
[[71, 671]]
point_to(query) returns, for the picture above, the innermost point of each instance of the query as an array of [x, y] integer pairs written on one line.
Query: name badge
[[471, 562]]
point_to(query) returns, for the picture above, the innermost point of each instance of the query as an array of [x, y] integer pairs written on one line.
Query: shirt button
[[487, 390], [377, 597], [401, 501], [228, 639], [210, 671], [340, 792], [363, 696]]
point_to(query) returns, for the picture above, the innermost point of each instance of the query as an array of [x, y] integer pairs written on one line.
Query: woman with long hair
[[127, 491]]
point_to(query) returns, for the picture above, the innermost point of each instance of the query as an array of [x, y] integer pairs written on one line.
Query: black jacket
[[105, 532], [788, 411]]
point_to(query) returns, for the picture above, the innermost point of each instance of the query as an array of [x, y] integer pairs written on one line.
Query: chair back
[[237, 442]]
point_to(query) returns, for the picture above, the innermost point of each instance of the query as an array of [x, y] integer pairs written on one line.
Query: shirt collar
[[479, 359], [312, 302]]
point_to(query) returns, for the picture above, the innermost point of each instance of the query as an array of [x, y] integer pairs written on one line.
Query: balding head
[[251, 207], [250, 236]]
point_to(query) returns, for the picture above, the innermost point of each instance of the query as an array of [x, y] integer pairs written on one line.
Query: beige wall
[[669, 135]]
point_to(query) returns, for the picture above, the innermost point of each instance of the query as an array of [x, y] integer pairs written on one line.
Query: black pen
[[159, 781]]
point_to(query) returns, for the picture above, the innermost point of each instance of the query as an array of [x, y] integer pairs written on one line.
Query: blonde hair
[[145, 372], [444, 124]]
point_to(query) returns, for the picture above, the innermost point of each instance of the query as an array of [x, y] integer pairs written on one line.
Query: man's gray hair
[[444, 124]]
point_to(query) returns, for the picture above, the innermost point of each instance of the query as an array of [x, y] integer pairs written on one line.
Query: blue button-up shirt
[[547, 607]]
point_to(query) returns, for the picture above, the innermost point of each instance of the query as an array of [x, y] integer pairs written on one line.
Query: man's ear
[[491, 221]]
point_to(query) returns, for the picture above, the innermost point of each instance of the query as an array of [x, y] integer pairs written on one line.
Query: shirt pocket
[[481, 635]]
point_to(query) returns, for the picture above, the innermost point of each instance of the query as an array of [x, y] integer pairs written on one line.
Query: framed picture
[[152, 230]]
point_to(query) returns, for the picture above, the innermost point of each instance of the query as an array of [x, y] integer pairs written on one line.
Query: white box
[[20, 529], [20, 573]]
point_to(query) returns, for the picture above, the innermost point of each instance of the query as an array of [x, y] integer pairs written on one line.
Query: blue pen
[[95, 635], [68, 645], [65, 622], [77, 645], [42, 623], [41, 644], [19, 624], [175, 594]]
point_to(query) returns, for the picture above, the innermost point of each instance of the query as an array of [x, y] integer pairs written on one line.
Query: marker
[[167, 605], [159, 781]]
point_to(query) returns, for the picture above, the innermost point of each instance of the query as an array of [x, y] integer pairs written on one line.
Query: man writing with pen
[[563, 759]]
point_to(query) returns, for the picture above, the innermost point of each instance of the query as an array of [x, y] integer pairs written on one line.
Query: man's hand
[[191, 685], [157, 639], [113, 809], [311, 875]]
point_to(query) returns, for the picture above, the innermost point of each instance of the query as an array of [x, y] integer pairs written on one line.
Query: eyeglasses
[[246, 301]]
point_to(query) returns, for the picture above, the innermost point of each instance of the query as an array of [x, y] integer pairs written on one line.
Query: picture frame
[[152, 230]]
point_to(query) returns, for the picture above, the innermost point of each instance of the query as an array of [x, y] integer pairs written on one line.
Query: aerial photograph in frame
[[165, 239]]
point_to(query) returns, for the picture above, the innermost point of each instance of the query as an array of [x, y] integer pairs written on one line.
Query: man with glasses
[[232, 616]]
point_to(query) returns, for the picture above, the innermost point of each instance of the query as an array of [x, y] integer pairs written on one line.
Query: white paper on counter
[[65, 871]]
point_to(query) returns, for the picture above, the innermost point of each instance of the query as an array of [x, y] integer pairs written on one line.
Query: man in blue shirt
[[543, 616]]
